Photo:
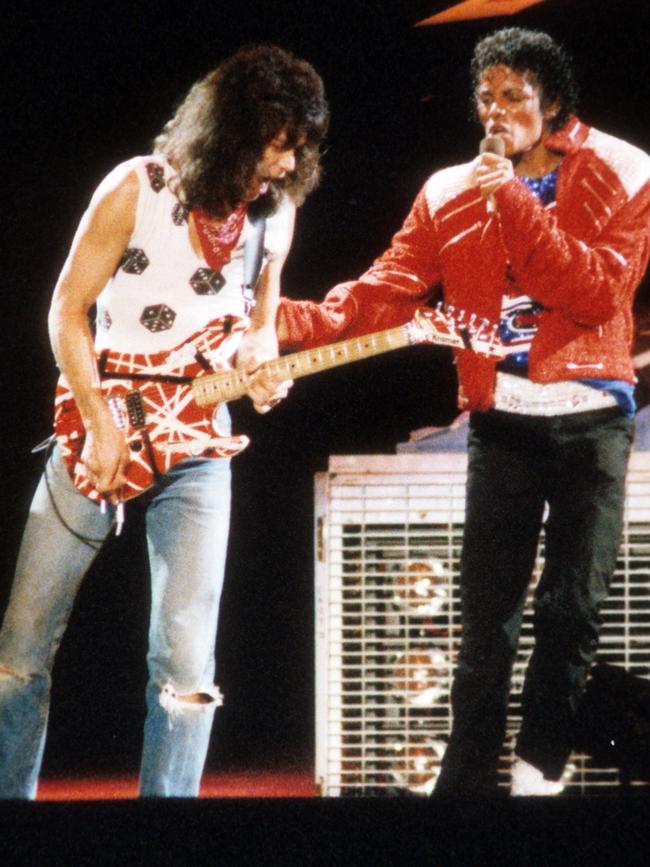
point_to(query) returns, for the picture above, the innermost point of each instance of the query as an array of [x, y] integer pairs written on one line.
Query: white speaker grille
[[388, 538]]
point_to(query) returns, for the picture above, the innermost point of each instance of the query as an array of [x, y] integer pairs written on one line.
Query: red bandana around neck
[[218, 239]]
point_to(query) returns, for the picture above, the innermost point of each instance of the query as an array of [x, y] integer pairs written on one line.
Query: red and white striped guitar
[[165, 402]]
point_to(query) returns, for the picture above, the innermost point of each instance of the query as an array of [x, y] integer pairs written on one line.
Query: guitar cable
[[253, 257], [47, 446]]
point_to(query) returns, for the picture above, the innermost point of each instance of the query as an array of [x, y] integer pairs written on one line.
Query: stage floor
[[223, 784], [269, 818]]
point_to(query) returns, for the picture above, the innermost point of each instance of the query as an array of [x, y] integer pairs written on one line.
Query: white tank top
[[162, 292]]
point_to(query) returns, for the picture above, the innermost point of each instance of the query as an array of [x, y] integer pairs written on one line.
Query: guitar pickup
[[116, 406], [135, 409]]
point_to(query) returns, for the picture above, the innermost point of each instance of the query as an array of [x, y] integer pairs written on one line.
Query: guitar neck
[[230, 384]]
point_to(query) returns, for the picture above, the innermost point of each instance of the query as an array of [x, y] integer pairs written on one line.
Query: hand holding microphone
[[492, 169], [492, 144]]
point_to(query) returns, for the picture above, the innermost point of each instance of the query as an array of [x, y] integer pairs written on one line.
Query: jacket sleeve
[[588, 282], [387, 295]]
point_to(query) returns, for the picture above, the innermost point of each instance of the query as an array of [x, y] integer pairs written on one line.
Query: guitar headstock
[[444, 327]]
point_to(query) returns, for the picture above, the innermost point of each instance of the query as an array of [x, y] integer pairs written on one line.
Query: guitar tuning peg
[[472, 321], [461, 317]]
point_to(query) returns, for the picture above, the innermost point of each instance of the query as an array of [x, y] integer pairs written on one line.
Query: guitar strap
[[253, 256]]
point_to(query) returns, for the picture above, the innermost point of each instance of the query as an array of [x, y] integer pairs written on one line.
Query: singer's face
[[509, 105]]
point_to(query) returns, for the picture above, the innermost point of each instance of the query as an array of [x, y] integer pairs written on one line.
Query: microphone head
[[493, 144]]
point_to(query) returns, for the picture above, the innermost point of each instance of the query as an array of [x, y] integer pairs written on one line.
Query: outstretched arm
[[387, 295]]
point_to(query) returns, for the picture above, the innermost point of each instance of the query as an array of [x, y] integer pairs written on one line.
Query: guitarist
[[548, 232], [159, 251]]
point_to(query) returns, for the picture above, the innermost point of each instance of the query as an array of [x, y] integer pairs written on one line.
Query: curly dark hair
[[535, 52], [219, 132]]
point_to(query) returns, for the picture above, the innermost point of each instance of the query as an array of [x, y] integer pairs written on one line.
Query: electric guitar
[[165, 402]]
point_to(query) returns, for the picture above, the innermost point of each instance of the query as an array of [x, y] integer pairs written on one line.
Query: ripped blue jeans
[[187, 522]]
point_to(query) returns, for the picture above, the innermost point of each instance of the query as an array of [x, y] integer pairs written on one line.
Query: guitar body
[[165, 402], [151, 400]]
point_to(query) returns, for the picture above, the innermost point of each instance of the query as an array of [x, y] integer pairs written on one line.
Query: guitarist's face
[[278, 160]]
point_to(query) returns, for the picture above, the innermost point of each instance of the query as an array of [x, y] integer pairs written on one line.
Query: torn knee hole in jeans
[[176, 704]]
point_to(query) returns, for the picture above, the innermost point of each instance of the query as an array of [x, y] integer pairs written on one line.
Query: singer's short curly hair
[[219, 132], [535, 52]]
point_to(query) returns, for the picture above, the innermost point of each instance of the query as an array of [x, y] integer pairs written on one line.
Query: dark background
[[87, 85]]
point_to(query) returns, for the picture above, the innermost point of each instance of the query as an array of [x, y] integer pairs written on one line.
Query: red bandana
[[218, 239]]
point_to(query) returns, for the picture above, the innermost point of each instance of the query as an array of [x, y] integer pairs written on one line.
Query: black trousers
[[576, 465]]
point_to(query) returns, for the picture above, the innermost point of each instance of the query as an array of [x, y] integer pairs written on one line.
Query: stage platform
[[262, 818], [226, 784]]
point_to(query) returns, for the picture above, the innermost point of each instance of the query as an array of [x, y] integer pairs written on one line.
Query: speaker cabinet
[[388, 531]]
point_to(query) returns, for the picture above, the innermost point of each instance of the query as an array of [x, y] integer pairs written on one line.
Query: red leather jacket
[[582, 258]]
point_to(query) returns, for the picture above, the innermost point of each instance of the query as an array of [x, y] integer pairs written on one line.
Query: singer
[[547, 232]]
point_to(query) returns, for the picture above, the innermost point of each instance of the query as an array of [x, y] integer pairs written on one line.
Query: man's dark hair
[[535, 52], [219, 132]]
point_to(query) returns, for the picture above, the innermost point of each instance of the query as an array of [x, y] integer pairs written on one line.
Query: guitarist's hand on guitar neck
[[264, 388], [105, 454]]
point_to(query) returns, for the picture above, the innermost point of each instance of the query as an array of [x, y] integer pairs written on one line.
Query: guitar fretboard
[[230, 384]]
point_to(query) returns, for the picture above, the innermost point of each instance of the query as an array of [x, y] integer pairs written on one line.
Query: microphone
[[492, 144]]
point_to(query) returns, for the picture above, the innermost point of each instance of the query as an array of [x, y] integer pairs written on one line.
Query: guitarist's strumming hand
[[265, 390], [105, 454]]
